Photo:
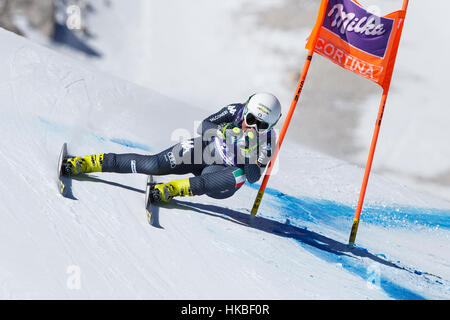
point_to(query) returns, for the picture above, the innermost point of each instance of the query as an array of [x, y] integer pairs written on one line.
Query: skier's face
[[246, 128], [252, 122]]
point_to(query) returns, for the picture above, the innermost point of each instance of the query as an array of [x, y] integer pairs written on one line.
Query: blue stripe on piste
[[313, 210], [373, 278], [130, 144], [64, 129], [298, 210]]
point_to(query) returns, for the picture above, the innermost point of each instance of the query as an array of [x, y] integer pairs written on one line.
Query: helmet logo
[[262, 108], [265, 107]]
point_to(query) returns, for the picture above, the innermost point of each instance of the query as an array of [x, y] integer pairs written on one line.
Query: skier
[[235, 145]]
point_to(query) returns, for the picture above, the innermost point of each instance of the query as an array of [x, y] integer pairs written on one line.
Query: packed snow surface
[[97, 243]]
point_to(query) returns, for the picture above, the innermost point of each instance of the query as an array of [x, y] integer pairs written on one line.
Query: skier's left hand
[[228, 130]]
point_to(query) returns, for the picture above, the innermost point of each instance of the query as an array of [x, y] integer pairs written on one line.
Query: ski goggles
[[253, 122]]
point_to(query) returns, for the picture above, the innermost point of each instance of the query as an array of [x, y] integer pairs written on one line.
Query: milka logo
[[349, 23]]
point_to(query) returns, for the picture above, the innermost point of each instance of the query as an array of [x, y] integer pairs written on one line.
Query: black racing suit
[[217, 163]]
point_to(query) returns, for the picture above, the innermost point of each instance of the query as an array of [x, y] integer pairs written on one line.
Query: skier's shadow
[[155, 209], [283, 230], [91, 178]]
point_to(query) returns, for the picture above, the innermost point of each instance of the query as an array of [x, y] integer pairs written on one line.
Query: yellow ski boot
[[77, 165], [164, 192]]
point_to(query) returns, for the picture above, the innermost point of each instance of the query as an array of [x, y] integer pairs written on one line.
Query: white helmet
[[262, 111]]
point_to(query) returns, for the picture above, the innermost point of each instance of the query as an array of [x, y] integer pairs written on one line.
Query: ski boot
[[164, 192], [77, 165]]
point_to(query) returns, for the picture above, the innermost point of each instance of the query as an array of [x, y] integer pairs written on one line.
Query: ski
[[149, 207], [61, 179]]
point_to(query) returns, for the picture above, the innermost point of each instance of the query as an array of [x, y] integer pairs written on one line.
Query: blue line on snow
[[56, 127], [301, 210], [130, 144], [372, 277], [309, 209], [59, 128]]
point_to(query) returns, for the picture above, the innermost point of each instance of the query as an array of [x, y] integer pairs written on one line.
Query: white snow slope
[[98, 244]]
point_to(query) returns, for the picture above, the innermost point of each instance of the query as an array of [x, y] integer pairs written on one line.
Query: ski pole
[[368, 169], [362, 193], [310, 46], [286, 123]]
